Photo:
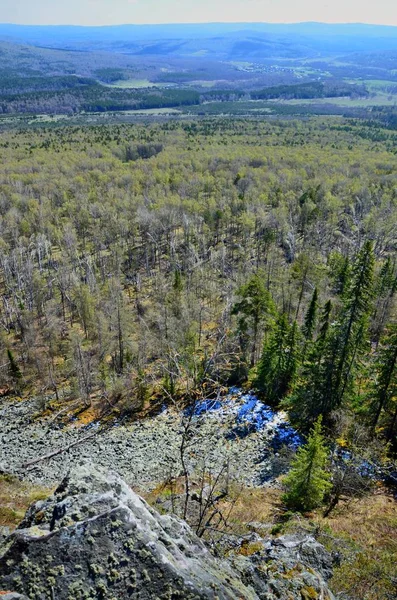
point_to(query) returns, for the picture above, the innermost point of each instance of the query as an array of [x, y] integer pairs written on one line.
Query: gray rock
[[95, 538], [295, 567], [143, 452], [4, 470], [4, 533], [304, 549]]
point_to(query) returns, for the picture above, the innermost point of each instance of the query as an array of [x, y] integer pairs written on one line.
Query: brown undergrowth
[[15, 498], [361, 535]]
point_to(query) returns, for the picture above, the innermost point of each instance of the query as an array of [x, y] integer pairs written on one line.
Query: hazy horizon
[[171, 23], [173, 12]]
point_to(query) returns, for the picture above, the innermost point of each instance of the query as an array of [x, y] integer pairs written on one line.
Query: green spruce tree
[[13, 369], [353, 322], [309, 397], [328, 375], [311, 317], [278, 364], [308, 481], [310, 322], [324, 324], [386, 381]]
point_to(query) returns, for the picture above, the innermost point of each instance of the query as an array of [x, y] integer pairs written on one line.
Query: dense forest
[[330, 89], [143, 263], [76, 95], [71, 94]]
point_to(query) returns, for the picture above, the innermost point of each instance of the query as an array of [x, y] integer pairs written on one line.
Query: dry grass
[[370, 521], [253, 505], [363, 532], [369, 528], [15, 498], [86, 416]]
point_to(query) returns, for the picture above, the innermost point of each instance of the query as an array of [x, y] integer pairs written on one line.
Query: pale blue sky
[[110, 12]]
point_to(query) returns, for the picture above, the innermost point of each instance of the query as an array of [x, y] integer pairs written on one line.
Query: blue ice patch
[[285, 435], [203, 407], [252, 416]]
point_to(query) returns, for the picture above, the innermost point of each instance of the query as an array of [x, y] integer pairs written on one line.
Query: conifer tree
[[309, 324], [178, 283], [278, 364], [14, 370], [311, 317], [354, 324], [309, 398], [340, 271], [328, 376], [386, 383], [335, 355], [308, 480], [324, 322], [385, 290]]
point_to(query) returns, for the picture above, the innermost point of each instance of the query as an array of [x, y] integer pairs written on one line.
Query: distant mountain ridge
[[222, 40]]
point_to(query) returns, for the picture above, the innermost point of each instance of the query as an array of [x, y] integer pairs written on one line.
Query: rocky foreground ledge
[[95, 539]]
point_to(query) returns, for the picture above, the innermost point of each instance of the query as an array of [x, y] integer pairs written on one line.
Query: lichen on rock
[[95, 538]]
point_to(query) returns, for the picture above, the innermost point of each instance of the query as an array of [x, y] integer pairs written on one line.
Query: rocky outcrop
[[288, 567], [95, 538]]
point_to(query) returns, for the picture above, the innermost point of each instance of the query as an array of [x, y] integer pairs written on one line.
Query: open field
[[206, 84], [152, 111], [379, 84], [376, 100], [136, 84]]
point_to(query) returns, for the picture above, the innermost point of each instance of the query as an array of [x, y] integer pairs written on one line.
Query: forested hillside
[[142, 263], [100, 70]]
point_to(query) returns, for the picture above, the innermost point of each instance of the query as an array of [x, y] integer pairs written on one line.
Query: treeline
[[148, 263], [110, 74], [263, 108], [14, 85], [94, 98], [71, 94], [312, 89]]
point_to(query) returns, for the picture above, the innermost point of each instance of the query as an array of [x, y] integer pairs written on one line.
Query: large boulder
[[96, 539]]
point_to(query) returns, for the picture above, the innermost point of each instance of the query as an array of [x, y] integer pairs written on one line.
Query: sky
[[113, 12]]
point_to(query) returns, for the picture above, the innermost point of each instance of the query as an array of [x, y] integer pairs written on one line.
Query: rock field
[[237, 429]]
